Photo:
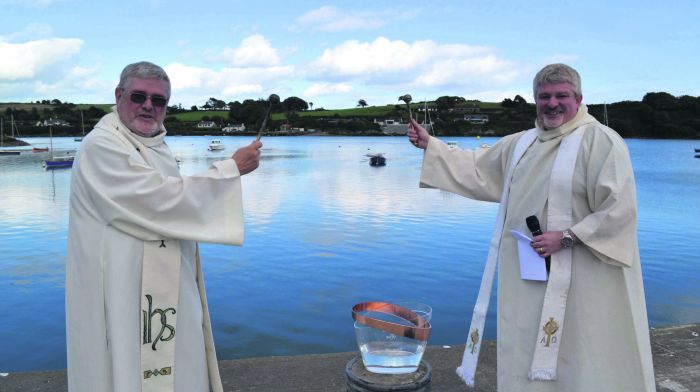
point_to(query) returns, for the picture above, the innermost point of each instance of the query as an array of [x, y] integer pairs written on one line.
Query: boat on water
[[2, 140], [40, 149], [697, 150], [452, 144], [57, 162], [216, 145], [377, 159]]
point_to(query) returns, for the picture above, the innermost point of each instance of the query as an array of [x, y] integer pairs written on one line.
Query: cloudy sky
[[334, 53]]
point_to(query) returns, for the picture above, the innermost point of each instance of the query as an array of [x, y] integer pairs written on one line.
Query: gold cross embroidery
[[550, 328], [474, 336]]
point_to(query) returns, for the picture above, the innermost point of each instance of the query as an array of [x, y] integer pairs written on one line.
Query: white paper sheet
[[532, 266]]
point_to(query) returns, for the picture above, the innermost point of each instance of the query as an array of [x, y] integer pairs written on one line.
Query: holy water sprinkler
[[273, 99], [407, 98]]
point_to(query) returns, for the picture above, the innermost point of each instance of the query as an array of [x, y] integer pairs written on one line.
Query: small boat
[[697, 150], [216, 145], [40, 149], [59, 162], [452, 144], [2, 140], [377, 159]]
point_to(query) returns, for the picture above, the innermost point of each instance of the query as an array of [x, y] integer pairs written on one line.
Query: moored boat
[[216, 145], [40, 149], [377, 159], [59, 162]]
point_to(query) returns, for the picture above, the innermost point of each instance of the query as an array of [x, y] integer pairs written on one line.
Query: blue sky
[[336, 53]]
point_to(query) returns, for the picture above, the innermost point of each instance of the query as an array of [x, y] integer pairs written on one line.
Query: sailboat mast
[[51, 140], [82, 123], [605, 113]]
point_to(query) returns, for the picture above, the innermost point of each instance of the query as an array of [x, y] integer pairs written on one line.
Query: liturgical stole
[[544, 363]]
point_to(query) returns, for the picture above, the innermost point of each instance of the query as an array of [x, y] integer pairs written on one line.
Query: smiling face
[[556, 104], [144, 119]]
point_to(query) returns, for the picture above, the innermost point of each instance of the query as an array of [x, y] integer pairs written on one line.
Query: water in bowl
[[387, 353]]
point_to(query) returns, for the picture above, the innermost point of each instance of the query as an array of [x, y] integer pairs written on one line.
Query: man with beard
[[584, 328], [136, 310]]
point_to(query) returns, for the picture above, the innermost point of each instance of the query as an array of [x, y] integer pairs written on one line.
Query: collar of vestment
[[582, 117], [114, 122]]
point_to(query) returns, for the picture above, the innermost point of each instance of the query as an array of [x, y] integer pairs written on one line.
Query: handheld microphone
[[534, 225]]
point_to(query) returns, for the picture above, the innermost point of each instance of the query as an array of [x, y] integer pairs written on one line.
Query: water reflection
[[324, 230]]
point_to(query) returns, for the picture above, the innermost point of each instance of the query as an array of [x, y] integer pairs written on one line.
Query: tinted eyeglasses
[[141, 97]]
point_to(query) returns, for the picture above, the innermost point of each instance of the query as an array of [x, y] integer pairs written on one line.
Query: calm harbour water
[[324, 231]]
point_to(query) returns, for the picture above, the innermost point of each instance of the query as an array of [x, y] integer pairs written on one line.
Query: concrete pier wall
[[676, 352]]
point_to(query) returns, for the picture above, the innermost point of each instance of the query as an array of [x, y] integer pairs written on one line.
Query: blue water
[[324, 231]]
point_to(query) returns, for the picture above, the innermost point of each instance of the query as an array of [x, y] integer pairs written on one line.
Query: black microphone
[[534, 225]]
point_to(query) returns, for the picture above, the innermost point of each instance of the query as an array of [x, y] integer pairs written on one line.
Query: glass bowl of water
[[391, 353]]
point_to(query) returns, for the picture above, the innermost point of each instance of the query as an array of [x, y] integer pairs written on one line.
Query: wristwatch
[[567, 241]]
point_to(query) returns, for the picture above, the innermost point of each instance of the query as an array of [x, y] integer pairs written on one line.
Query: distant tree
[[295, 104], [448, 102], [94, 112], [660, 101], [362, 103], [508, 103], [311, 105], [194, 108], [55, 102], [214, 103], [519, 100]]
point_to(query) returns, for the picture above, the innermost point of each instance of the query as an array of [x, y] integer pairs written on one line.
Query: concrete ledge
[[676, 352]]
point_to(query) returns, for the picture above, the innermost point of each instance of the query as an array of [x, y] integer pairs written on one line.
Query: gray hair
[[145, 70], [558, 73]]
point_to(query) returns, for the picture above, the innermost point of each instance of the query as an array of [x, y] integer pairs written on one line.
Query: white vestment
[[605, 342], [126, 190]]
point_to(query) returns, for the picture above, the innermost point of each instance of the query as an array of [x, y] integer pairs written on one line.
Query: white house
[[476, 118], [206, 124], [233, 128]]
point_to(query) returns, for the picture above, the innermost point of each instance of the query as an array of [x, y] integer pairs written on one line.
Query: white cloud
[[195, 84], [253, 51], [26, 60], [423, 63], [320, 89], [354, 58], [328, 18]]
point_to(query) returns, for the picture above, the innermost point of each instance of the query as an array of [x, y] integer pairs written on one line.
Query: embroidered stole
[[160, 287], [565, 156], [559, 213]]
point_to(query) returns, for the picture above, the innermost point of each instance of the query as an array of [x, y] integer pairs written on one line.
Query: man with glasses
[[136, 311], [582, 327]]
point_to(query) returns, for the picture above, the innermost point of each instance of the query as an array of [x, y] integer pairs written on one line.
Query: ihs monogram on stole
[[550, 328], [474, 337], [147, 324]]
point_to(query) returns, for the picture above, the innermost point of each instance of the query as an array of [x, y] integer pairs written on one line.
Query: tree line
[[658, 115]]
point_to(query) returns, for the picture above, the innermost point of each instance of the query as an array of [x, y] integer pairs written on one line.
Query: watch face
[[567, 241]]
